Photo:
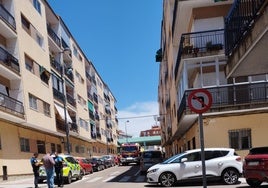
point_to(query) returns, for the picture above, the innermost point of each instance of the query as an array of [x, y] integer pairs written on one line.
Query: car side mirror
[[184, 160]]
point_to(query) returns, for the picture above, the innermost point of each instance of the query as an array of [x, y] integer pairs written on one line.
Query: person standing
[[35, 165], [59, 169], [49, 163]]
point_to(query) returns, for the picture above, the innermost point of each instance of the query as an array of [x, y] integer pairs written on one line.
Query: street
[[118, 177]]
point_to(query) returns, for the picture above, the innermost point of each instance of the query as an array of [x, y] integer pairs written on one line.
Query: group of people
[[53, 163]]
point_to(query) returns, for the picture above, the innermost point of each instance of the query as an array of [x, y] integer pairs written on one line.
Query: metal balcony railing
[[11, 105], [9, 60], [239, 21], [58, 95], [56, 65], [54, 36], [7, 17], [199, 44], [231, 97], [71, 100]]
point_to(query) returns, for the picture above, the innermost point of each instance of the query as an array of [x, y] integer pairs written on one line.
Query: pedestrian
[[59, 169], [49, 163], [35, 165]]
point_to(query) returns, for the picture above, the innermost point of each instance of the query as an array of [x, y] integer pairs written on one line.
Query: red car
[[255, 167], [86, 166]]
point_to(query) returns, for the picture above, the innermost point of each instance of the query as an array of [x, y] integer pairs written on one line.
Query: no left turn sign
[[200, 100]]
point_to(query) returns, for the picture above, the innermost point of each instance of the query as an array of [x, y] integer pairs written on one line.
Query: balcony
[[7, 17], [71, 100], [61, 126], [9, 61], [10, 105], [55, 64], [200, 44], [53, 36], [58, 95], [246, 38]]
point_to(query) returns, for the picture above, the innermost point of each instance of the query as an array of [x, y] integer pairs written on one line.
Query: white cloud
[[141, 116]]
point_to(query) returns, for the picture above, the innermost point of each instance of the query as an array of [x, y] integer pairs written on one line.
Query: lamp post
[[65, 100], [126, 130]]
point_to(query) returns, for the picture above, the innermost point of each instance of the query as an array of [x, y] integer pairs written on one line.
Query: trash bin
[[4, 172]]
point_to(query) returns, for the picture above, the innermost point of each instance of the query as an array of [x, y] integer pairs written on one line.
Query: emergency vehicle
[[130, 153]]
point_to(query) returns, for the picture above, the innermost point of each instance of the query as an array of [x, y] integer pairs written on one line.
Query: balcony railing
[[11, 105], [53, 35], [199, 44], [239, 21], [71, 100], [232, 97], [9, 61], [56, 65], [58, 95], [7, 17]]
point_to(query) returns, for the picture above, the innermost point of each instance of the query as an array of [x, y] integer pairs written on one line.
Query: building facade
[[217, 46], [154, 131], [51, 96]]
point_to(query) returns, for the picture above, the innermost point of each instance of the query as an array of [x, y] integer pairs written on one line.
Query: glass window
[[24, 145], [240, 139], [37, 5], [46, 107], [33, 101], [41, 146]]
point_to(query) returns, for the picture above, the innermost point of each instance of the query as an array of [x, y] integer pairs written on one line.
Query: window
[[240, 139], [77, 149], [37, 5], [41, 148], [33, 101], [24, 145], [59, 150], [53, 147], [46, 108], [25, 24], [29, 64]]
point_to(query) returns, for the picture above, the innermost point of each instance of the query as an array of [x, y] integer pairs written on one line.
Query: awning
[[61, 112]]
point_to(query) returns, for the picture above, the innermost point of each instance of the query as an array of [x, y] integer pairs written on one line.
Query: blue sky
[[121, 38]]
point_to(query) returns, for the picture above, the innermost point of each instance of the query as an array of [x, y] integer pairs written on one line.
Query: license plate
[[253, 163]]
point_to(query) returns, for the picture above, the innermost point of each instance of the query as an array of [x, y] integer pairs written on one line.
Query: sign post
[[200, 101]]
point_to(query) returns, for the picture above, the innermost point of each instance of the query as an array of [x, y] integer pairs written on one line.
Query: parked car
[[86, 166], [221, 164], [109, 159], [255, 166], [97, 164], [150, 158], [71, 169]]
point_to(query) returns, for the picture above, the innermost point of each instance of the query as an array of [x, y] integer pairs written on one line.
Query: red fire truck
[[130, 153]]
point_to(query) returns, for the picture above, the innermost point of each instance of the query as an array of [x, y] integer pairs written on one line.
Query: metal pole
[[65, 109], [202, 150], [107, 147]]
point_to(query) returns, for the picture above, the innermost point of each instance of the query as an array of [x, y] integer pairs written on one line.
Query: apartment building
[[51, 96], [155, 130], [218, 46]]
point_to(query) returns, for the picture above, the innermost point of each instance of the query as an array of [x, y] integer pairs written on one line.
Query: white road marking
[[108, 179], [94, 179], [114, 173]]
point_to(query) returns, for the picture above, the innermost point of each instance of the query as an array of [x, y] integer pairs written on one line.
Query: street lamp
[[65, 50], [126, 130]]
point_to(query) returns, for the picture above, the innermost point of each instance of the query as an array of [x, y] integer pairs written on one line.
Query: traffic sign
[[200, 100]]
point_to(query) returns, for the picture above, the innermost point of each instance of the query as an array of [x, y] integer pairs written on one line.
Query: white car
[[221, 164]]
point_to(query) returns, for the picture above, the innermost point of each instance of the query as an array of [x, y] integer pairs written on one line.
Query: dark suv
[[255, 167]]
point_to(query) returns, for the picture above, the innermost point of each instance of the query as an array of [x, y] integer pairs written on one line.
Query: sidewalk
[[26, 182]]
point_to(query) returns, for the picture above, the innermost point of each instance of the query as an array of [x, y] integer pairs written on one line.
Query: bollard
[[4, 172]]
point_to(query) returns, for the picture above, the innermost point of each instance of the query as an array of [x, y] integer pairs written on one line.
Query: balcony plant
[[213, 47]]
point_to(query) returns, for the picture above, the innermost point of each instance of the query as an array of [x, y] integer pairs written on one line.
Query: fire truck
[[130, 153]]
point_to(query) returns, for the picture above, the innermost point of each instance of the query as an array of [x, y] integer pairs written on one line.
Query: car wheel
[[83, 172], [167, 179], [230, 176], [69, 178], [253, 182]]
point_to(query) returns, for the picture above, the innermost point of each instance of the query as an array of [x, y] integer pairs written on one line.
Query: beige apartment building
[[50, 92], [218, 46]]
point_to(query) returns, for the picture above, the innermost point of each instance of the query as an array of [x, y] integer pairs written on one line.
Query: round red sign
[[200, 100]]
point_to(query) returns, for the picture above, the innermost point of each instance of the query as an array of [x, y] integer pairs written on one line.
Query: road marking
[[137, 173], [108, 179], [114, 173], [125, 179], [94, 179]]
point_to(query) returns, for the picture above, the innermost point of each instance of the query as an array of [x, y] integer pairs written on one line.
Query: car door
[[214, 162], [192, 167]]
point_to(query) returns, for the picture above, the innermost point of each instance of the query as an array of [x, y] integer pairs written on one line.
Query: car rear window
[[261, 150], [152, 154]]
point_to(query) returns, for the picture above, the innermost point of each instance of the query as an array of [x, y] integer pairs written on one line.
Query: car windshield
[[152, 154], [261, 150], [129, 148], [173, 158]]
